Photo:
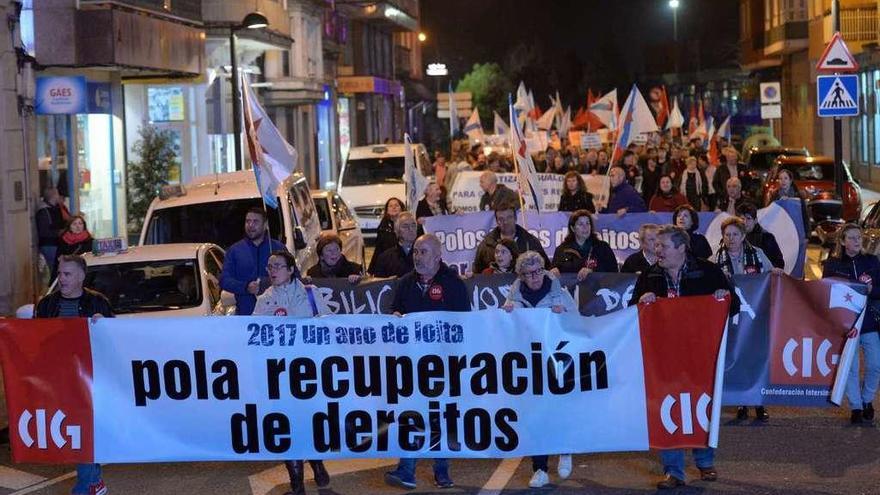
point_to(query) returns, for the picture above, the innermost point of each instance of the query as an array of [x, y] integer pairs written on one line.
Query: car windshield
[[368, 171], [147, 286], [763, 160], [220, 222], [813, 171]]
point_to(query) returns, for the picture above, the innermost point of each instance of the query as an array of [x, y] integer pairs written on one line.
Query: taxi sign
[[837, 57], [109, 246]]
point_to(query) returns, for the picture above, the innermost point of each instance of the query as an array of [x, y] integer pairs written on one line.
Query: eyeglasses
[[532, 273], [273, 267]]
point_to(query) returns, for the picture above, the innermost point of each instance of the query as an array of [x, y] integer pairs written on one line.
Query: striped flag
[[526, 174]]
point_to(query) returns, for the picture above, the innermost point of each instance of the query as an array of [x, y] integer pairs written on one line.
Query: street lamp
[[254, 20], [423, 37], [673, 4]]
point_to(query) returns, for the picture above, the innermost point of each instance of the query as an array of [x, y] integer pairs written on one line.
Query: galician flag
[[473, 128], [273, 158], [724, 130], [605, 109], [501, 128], [676, 119], [635, 119], [413, 179], [526, 174]]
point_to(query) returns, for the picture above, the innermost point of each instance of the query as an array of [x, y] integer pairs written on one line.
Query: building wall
[[17, 181], [798, 109]]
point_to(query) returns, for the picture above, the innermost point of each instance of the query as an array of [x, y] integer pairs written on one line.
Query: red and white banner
[[479, 384]]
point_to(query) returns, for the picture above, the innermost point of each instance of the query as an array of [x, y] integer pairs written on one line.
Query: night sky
[[571, 45]]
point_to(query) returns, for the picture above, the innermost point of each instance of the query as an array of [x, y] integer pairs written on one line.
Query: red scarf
[[71, 238]]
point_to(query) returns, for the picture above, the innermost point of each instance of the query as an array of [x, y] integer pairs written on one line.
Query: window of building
[[285, 63]]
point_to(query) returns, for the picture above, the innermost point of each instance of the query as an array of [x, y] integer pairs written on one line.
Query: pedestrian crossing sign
[[838, 95]]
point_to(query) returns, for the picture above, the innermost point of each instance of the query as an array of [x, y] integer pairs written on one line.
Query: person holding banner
[[494, 193], [647, 256], [687, 218], [287, 296], [386, 236], [332, 263], [575, 195], [582, 251], [535, 287], [244, 270], [432, 204], [397, 261], [678, 273], [506, 228], [430, 286], [72, 300], [736, 255], [667, 199], [506, 254], [624, 198], [850, 263], [757, 236]]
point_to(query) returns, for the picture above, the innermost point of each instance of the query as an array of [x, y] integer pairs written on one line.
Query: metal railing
[[859, 24]]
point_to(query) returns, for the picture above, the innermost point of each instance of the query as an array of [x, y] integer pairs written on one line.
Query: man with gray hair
[[733, 199], [647, 256], [495, 194], [398, 261], [677, 273], [430, 286]]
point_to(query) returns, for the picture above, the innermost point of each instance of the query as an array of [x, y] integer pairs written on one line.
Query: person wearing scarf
[[736, 256], [76, 238], [666, 198], [582, 251], [693, 184], [506, 253], [332, 263]]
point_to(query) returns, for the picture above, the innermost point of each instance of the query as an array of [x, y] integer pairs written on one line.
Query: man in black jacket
[[677, 273], [398, 261], [758, 237], [505, 219], [72, 300], [431, 286], [643, 259], [494, 193]]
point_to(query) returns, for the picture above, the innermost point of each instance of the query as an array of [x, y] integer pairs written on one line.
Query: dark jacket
[[345, 268], [700, 278], [81, 247], [50, 223], [246, 262], [700, 194], [635, 263], [90, 303], [524, 242], [423, 210], [386, 239], [581, 200], [502, 195], [700, 247], [445, 292], [668, 203], [759, 237], [650, 182], [595, 254], [722, 174], [624, 196], [394, 262], [857, 269], [724, 202]]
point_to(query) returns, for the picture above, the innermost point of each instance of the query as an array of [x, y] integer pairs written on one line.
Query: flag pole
[[513, 121], [249, 127]]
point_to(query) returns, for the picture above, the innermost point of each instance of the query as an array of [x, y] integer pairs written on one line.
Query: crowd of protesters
[[674, 260]]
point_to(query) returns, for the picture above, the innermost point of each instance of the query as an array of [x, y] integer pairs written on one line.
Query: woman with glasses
[[535, 287], [287, 296]]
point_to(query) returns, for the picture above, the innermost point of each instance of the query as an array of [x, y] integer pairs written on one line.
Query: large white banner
[[466, 192]]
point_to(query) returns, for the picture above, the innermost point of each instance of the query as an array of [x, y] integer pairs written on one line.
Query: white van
[[373, 174], [212, 208]]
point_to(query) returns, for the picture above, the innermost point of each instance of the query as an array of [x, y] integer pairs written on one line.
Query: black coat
[[635, 263], [50, 223], [345, 269], [394, 262], [423, 210], [596, 255], [759, 237], [446, 292], [75, 248], [700, 247], [524, 242], [90, 303], [856, 269], [581, 200], [386, 239], [700, 278]]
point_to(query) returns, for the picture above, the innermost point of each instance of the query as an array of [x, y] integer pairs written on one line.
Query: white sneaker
[[539, 479], [564, 467]]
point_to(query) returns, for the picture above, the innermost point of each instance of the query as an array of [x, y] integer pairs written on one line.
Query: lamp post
[[673, 4], [254, 20]]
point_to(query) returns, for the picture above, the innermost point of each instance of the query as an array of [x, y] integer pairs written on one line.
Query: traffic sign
[[771, 92], [838, 95], [837, 57]]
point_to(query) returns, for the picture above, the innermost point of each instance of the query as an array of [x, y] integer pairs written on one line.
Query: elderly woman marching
[[536, 287]]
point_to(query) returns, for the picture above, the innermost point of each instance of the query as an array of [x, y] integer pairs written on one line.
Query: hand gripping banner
[[480, 384]]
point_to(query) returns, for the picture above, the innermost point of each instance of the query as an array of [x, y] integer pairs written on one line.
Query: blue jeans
[[673, 460], [858, 395], [406, 469], [86, 475]]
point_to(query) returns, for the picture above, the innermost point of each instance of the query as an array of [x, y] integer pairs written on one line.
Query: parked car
[[373, 174], [815, 177], [212, 209], [157, 281], [871, 229], [336, 217]]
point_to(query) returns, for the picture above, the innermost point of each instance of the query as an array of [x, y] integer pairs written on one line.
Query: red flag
[[581, 120], [536, 112], [662, 105], [693, 120]]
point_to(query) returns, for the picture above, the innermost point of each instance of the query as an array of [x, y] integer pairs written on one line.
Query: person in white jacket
[[288, 296]]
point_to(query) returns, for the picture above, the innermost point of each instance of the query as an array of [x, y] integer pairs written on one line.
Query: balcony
[[220, 15], [786, 38], [859, 25]]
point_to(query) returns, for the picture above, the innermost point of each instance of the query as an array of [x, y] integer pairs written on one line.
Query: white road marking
[[40, 485], [501, 477], [14, 479], [266, 481]]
